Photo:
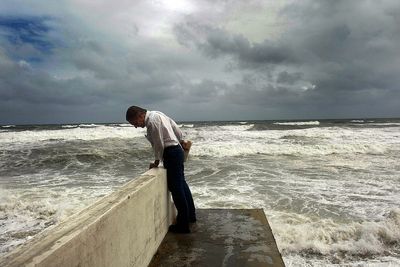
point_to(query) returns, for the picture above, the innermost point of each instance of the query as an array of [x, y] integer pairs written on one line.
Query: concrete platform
[[222, 237]]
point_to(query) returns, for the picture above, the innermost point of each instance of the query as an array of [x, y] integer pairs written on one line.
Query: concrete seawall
[[122, 229]]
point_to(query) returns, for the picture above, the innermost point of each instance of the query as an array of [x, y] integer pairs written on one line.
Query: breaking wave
[[25, 213], [236, 140], [186, 125], [298, 123], [237, 149], [336, 242], [69, 126], [92, 125], [16, 140]]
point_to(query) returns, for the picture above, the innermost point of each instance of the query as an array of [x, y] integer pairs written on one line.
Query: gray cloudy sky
[[87, 61]]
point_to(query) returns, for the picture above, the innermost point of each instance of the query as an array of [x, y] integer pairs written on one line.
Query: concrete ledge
[[222, 237], [122, 229]]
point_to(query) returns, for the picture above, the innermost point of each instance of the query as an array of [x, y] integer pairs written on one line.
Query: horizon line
[[200, 121]]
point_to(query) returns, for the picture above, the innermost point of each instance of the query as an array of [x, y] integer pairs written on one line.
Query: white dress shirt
[[162, 132]]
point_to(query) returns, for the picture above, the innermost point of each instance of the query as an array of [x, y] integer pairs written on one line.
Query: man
[[166, 140]]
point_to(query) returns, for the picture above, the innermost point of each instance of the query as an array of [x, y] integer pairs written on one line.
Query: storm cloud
[[199, 60]]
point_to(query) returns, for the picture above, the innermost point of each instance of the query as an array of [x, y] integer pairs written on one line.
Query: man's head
[[136, 116]]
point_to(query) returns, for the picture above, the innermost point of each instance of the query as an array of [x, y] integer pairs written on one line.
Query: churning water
[[329, 188]]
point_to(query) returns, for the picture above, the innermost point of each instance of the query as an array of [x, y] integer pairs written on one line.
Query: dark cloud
[[215, 42], [315, 59], [333, 56], [20, 83], [285, 77], [204, 91], [36, 89]]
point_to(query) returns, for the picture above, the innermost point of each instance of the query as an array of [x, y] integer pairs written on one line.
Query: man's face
[[139, 120]]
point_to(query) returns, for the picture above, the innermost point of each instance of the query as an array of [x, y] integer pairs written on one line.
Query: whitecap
[[385, 124], [298, 123], [89, 125], [29, 138], [236, 127], [69, 126]]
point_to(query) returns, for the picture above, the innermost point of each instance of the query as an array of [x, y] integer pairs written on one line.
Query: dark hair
[[133, 112]]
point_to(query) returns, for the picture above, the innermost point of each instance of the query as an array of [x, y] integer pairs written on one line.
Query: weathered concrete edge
[[263, 218], [124, 228]]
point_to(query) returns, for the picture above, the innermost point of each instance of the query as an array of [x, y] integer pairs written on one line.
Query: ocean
[[329, 188]]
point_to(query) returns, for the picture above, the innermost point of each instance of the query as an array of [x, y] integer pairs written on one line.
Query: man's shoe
[[178, 229]]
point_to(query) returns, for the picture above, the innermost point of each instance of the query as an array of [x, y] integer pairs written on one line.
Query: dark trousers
[[173, 162]]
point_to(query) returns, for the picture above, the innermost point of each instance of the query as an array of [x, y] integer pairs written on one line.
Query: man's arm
[[157, 142]]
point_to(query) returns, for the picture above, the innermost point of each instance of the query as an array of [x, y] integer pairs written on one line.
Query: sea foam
[[24, 213], [236, 140], [16, 140], [299, 234]]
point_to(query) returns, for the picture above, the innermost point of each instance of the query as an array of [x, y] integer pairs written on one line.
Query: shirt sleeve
[[157, 140], [177, 131]]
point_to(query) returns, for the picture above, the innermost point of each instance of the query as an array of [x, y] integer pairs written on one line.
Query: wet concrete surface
[[222, 237]]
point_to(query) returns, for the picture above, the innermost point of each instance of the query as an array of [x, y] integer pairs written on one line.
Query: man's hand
[[186, 144], [154, 165]]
